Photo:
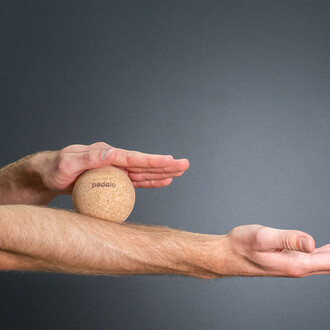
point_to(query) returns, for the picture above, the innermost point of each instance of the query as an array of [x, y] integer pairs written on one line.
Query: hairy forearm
[[20, 183], [36, 238]]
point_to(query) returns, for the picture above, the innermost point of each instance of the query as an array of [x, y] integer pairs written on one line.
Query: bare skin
[[37, 238], [37, 179]]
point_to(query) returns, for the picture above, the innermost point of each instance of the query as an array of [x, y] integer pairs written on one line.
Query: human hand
[[60, 169], [262, 251]]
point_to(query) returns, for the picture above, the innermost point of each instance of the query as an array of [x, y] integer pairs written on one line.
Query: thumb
[[288, 240], [298, 241], [94, 158]]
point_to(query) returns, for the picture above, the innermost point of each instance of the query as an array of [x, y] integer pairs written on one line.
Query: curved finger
[[71, 164], [273, 239], [316, 273], [152, 176], [178, 165], [128, 159], [152, 183], [322, 248], [84, 148], [320, 263]]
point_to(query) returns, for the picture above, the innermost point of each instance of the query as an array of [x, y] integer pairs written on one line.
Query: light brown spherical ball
[[105, 193]]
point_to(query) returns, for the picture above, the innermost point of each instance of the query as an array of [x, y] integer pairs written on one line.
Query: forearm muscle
[[64, 241]]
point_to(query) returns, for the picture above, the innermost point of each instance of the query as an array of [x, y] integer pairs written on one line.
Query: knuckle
[[250, 236], [136, 176], [287, 243], [63, 152], [258, 239], [100, 144], [88, 157], [290, 241], [235, 232], [71, 148], [63, 164], [68, 148], [130, 158]]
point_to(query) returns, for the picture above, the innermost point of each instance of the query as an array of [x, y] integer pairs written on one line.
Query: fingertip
[[159, 183], [168, 181], [324, 248], [184, 163], [152, 183], [307, 244], [311, 243], [187, 163]]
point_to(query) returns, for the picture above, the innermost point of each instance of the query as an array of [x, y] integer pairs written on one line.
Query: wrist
[[208, 257], [32, 167], [37, 163], [216, 258], [19, 182]]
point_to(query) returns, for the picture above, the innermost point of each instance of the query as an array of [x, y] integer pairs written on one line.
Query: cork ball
[[106, 193]]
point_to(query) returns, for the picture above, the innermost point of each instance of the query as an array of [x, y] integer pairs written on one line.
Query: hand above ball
[[60, 169]]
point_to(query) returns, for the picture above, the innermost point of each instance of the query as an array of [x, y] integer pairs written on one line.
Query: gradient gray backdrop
[[240, 88]]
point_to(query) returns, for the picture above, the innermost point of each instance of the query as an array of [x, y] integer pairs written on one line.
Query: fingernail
[[106, 153], [304, 244]]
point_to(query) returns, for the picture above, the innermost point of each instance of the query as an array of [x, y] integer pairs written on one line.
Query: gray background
[[240, 88]]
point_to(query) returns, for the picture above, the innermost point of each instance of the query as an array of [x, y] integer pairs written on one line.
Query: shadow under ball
[[106, 193]]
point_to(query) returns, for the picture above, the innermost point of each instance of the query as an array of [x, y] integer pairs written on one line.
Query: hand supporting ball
[[106, 193]]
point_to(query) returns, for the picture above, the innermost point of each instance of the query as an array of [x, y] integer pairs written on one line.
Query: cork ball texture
[[106, 193]]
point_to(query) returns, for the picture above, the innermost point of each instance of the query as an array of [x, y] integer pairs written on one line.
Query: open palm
[[265, 251]]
